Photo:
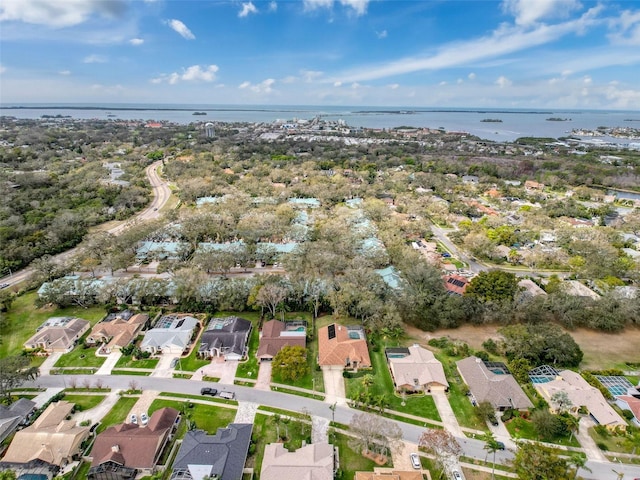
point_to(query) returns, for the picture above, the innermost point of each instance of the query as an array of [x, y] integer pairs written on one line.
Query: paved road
[[161, 193], [471, 447]]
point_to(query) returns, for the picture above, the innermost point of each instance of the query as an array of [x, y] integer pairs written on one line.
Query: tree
[[13, 372], [492, 446], [533, 461], [270, 296], [7, 475], [373, 433], [290, 363], [561, 401], [440, 443], [493, 286], [485, 411], [578, 461], [547, 424], [540, 344]]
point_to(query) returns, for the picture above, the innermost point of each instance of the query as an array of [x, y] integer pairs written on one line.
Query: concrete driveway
[[49, 362], [264, 376], [219, 368], [400, 455], [334, 386], [446, 412], [163, 369], [109, 363]]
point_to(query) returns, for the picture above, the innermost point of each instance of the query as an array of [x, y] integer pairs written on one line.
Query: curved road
[[161, 194], [471, 447]]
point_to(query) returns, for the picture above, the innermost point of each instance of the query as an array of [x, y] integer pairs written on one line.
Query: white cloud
[[627, 29], [194, 73], [136, 41], [528, 12], [57, 13], [263, 87], [503, 82], [3, 69], [247, 8], [181, 28], [505, 40], [382, 34], [355, 85], [394, 86], [359, 7], [337, 84], [273, 6], [460, 81], [587, 80], [64, 72], [442, 83], [310, 75], [472, 76], [95, 58]]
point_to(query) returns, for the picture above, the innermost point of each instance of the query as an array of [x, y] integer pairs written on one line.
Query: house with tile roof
[[58, 334], [276, 334], [492, 382], [631, 403], [171, 334], [455, 284], [389, 474], [581, 394], [15, 414], [316, 461], [220, 456], [415, 369], [51, 438], [117, 331], [129, 449], [226, 337], [342, 347]]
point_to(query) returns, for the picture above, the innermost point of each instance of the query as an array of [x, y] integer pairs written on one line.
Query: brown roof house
[[128, 449], [58, 334], [51, 439], [389, 474], [341, 347], [492, 382], [315, 461], [276, 334], [415, 369], [581, 394], [117, 330]]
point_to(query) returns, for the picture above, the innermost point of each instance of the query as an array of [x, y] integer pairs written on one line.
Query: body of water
[[512, 124]]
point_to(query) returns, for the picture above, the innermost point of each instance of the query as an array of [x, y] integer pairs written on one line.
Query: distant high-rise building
[[209, 130]]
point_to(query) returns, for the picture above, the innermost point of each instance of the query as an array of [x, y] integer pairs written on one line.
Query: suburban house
[[117, 330], [171, 334], [128, 449], [14, 415], [314, 461], [492, 382], [276, 334], [58, 334], [580, 393], [51, 439], [455, 284], [530, 288], [415, 369], [221, 456], [389, 474], [628, 402], [225, 337], [341, 347]]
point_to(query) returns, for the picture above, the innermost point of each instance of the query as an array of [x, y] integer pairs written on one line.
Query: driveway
[[98, 412], [446, 413], [334, 386], [587, 443], [264, 376], [163, 369], [400, 455], [109, 363], [142, 405], [218, 368], [49, 362]]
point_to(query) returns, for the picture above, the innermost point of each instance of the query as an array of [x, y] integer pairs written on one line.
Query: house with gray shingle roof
[[225, 337], [495, 385], [14, 415], [415, 369], [58, 334], [171, 334], [220, 456]]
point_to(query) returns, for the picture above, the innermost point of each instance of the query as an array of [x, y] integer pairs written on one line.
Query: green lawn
[[118, 414], [626, 442], [80, 357], [192, 362], [520, 428], [84, 402], [207, 417], [350, 460], [265, 431], [419, 405], [127, 361], [23, 318], [249, 368]]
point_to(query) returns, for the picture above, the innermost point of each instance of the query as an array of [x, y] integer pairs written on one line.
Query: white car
[[415, 461], [133, 418], [456, 475], [144, 419]]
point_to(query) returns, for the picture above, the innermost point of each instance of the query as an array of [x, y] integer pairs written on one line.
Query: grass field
[[127, 361], [350, 460], [521, 428], [625, 443], [80, 357], [206, 417], [84, 402], [23, 318], [118, 414]]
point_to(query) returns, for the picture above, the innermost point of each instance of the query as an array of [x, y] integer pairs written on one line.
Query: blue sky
[[422, 53]]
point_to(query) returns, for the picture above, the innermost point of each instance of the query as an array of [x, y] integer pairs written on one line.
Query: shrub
[[441, 342], [490, 346], [482, 355], [628, 414], [602, 446]]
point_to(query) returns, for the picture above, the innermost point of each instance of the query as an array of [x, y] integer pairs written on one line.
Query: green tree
[[290, 363], [492, 446], [485, 411], [546, 424], [13, 372], [541, 344], [493, 286], [7, 475], [534, 461]]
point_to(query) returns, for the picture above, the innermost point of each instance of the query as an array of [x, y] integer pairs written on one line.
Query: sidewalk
[[47, 365]]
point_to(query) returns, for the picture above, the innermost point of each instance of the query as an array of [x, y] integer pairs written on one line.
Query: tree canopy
[[493, 286], [541, 344], [290, 363]]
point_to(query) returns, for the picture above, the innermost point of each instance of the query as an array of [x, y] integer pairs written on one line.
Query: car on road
[[415, 461], [4, 285], [144, 419], [446, 255], [174, 362], [456, 475], [500, 445], [133, 418], [155, 209], [208, 391], [227, 395]]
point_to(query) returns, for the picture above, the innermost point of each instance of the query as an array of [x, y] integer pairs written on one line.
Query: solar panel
[[332, 331]]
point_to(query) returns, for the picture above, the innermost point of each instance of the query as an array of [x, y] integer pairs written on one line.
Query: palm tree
[[578, 461], [492, 446]]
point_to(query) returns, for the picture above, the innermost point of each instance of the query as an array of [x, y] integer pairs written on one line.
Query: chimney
[[115, 449]]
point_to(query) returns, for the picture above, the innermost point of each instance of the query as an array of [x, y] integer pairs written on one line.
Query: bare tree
[[270, 296], [373, 433], [442, 444]]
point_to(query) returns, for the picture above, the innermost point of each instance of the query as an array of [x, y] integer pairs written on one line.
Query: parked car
[[174, 362], [446, 255], [227, 395], [209, 391], [144, 419], [133, 418], [500, 445], [456, 475], [415, 460]]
